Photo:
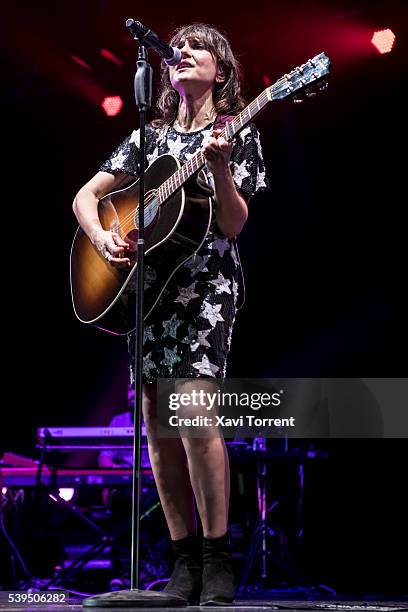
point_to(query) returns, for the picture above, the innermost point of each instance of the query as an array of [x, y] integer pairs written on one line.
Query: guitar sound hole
[[151, 209]]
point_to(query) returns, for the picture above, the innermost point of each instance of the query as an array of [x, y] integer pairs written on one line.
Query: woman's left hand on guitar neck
[[232, 209], [217, 153]]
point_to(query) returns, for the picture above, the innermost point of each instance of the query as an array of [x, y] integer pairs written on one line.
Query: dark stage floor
[[253, 606]]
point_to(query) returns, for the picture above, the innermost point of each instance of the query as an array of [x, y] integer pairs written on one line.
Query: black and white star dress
[[188, 333]]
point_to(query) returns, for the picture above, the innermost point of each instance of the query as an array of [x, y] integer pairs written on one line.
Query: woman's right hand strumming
[[109, 243], [111, 246]]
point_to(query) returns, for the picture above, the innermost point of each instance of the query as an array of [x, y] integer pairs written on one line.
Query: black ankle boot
[[185, 580], [218, 579]]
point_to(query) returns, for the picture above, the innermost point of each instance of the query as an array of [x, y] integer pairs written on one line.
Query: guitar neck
[[230, 130], [299, 79]]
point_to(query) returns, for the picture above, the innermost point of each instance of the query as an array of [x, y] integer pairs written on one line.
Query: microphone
[[171, 55]]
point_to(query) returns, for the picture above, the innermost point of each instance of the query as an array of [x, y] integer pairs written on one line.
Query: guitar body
[[175, 229]]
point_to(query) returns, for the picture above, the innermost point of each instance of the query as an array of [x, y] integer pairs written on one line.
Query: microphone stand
[[143, 96], [134, 597]]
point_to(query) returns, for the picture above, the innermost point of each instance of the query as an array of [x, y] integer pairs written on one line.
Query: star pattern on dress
[[191, 335], [211, 313], [197, 264], [151, 157], [243, 135], [148, 364], [135, 138], [201, 339], [118, 160], [219, 244], [148, 333], [240, 172], [170, 357], [170, 327], [186, 294], [206, 367], [221, 284], [176, 145]]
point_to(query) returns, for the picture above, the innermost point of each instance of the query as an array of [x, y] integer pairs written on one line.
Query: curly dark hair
[[227, 95]]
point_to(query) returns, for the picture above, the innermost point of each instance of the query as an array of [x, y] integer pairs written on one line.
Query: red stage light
[[111, 57], [78, 60], [383, 40], [112, 105]]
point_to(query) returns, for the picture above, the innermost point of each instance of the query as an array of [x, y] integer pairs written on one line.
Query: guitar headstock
[[308, 78]]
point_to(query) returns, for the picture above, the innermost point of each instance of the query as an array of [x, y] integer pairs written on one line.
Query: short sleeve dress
[[188, 333]]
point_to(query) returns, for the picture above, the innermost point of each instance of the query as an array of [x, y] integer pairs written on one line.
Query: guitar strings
[[126, 223]]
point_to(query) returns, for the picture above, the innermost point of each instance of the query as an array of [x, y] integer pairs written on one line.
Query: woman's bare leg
[[169, 463], [209, 470], [209, 474]]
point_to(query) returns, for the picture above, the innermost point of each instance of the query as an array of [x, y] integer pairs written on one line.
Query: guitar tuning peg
[[298, 100]]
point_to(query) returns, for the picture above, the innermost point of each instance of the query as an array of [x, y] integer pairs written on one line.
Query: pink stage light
[[383, 40], [112, 105]]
